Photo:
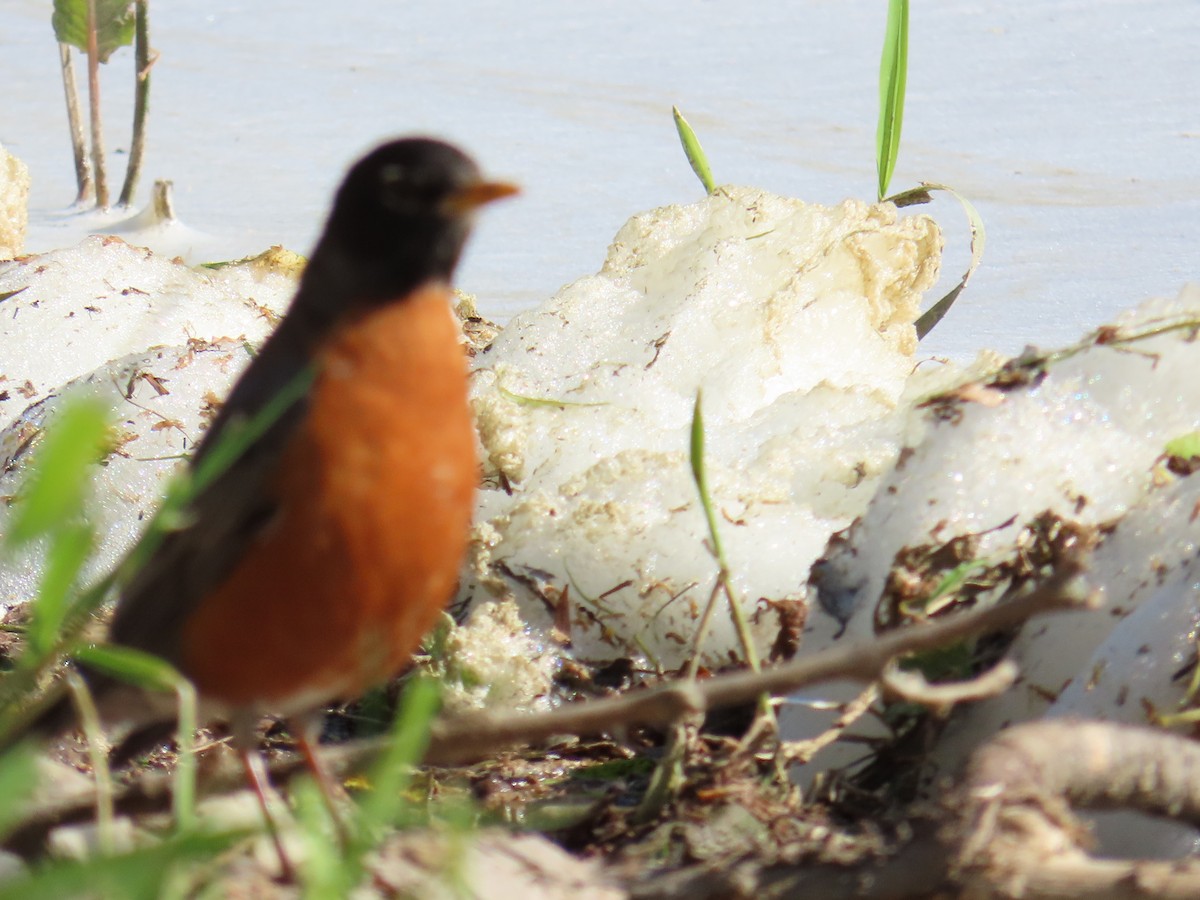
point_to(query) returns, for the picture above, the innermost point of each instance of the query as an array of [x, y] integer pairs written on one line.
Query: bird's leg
[[256, 777], [306, 730]]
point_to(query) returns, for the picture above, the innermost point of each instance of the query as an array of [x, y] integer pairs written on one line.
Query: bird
[[309, 568]]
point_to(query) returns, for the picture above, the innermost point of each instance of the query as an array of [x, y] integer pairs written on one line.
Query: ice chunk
[[797, 322], [14, 204], [71, 311], [1076, 437]]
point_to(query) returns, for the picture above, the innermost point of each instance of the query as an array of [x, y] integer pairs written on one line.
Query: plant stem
[[89, 718], [141, 101], [83, 167], [185, 763], [94, 104]]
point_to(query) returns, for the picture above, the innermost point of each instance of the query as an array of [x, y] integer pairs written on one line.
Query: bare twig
[[93, 54], [913, 688], [473, 737], [141, 101], [1014, 833], [802, 751], [83, 166]]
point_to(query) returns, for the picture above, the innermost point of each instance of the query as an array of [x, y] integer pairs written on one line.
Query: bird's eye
[[392, 175]]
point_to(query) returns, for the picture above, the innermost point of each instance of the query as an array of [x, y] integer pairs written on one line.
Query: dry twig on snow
[[1014, 834], [476, 736]]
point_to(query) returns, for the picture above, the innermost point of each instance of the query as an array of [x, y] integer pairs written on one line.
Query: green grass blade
[[239, 437], [140, 873], [149, 672], [93, 733], [724, 577], [131, 666], [18, 778], [700, 475], [391, 775], [893, 74], [56, 488], [693, 151], [327, 872], [69, 550]]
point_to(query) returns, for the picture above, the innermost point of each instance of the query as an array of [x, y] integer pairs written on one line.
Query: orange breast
[[376, 495]]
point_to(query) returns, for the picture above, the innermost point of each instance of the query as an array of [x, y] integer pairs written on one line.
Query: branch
[[93, 61], [476, 736], [83, 167], [1014, 832], [802, 752], [141, 102], [472, 737], [912, 687]]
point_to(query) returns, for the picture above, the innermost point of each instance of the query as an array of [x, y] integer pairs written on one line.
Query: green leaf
[[1185, 446], [391, 775], [700, 476], [693, 151], [55, 489], [523, 400], [140, 873], [69, 550], [114, 25], [327, 872], [131, 666], [893, 73], [18, 778]]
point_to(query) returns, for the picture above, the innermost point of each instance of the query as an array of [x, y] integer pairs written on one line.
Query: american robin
[[310, 567]]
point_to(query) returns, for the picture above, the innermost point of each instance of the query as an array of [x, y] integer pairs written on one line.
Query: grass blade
[[391, 775], [69, 550], [131, 666], [700, 476], [140, 873], [724, 576], [147, 671], [693, 151], [935, 313], [55, 491], [18, 778], [893, 74]]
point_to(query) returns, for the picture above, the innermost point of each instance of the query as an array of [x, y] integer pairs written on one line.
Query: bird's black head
[[401, 218]]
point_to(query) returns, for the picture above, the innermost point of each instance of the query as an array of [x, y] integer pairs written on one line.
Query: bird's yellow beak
[[476, 195]]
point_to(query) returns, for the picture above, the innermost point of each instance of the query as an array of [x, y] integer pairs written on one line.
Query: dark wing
[[226, 514]]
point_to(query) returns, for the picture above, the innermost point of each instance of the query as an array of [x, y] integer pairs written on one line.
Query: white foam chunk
[[154, 432], [81, 325], [1086, 442], [796, 320], [14, 204], [80, 308]]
